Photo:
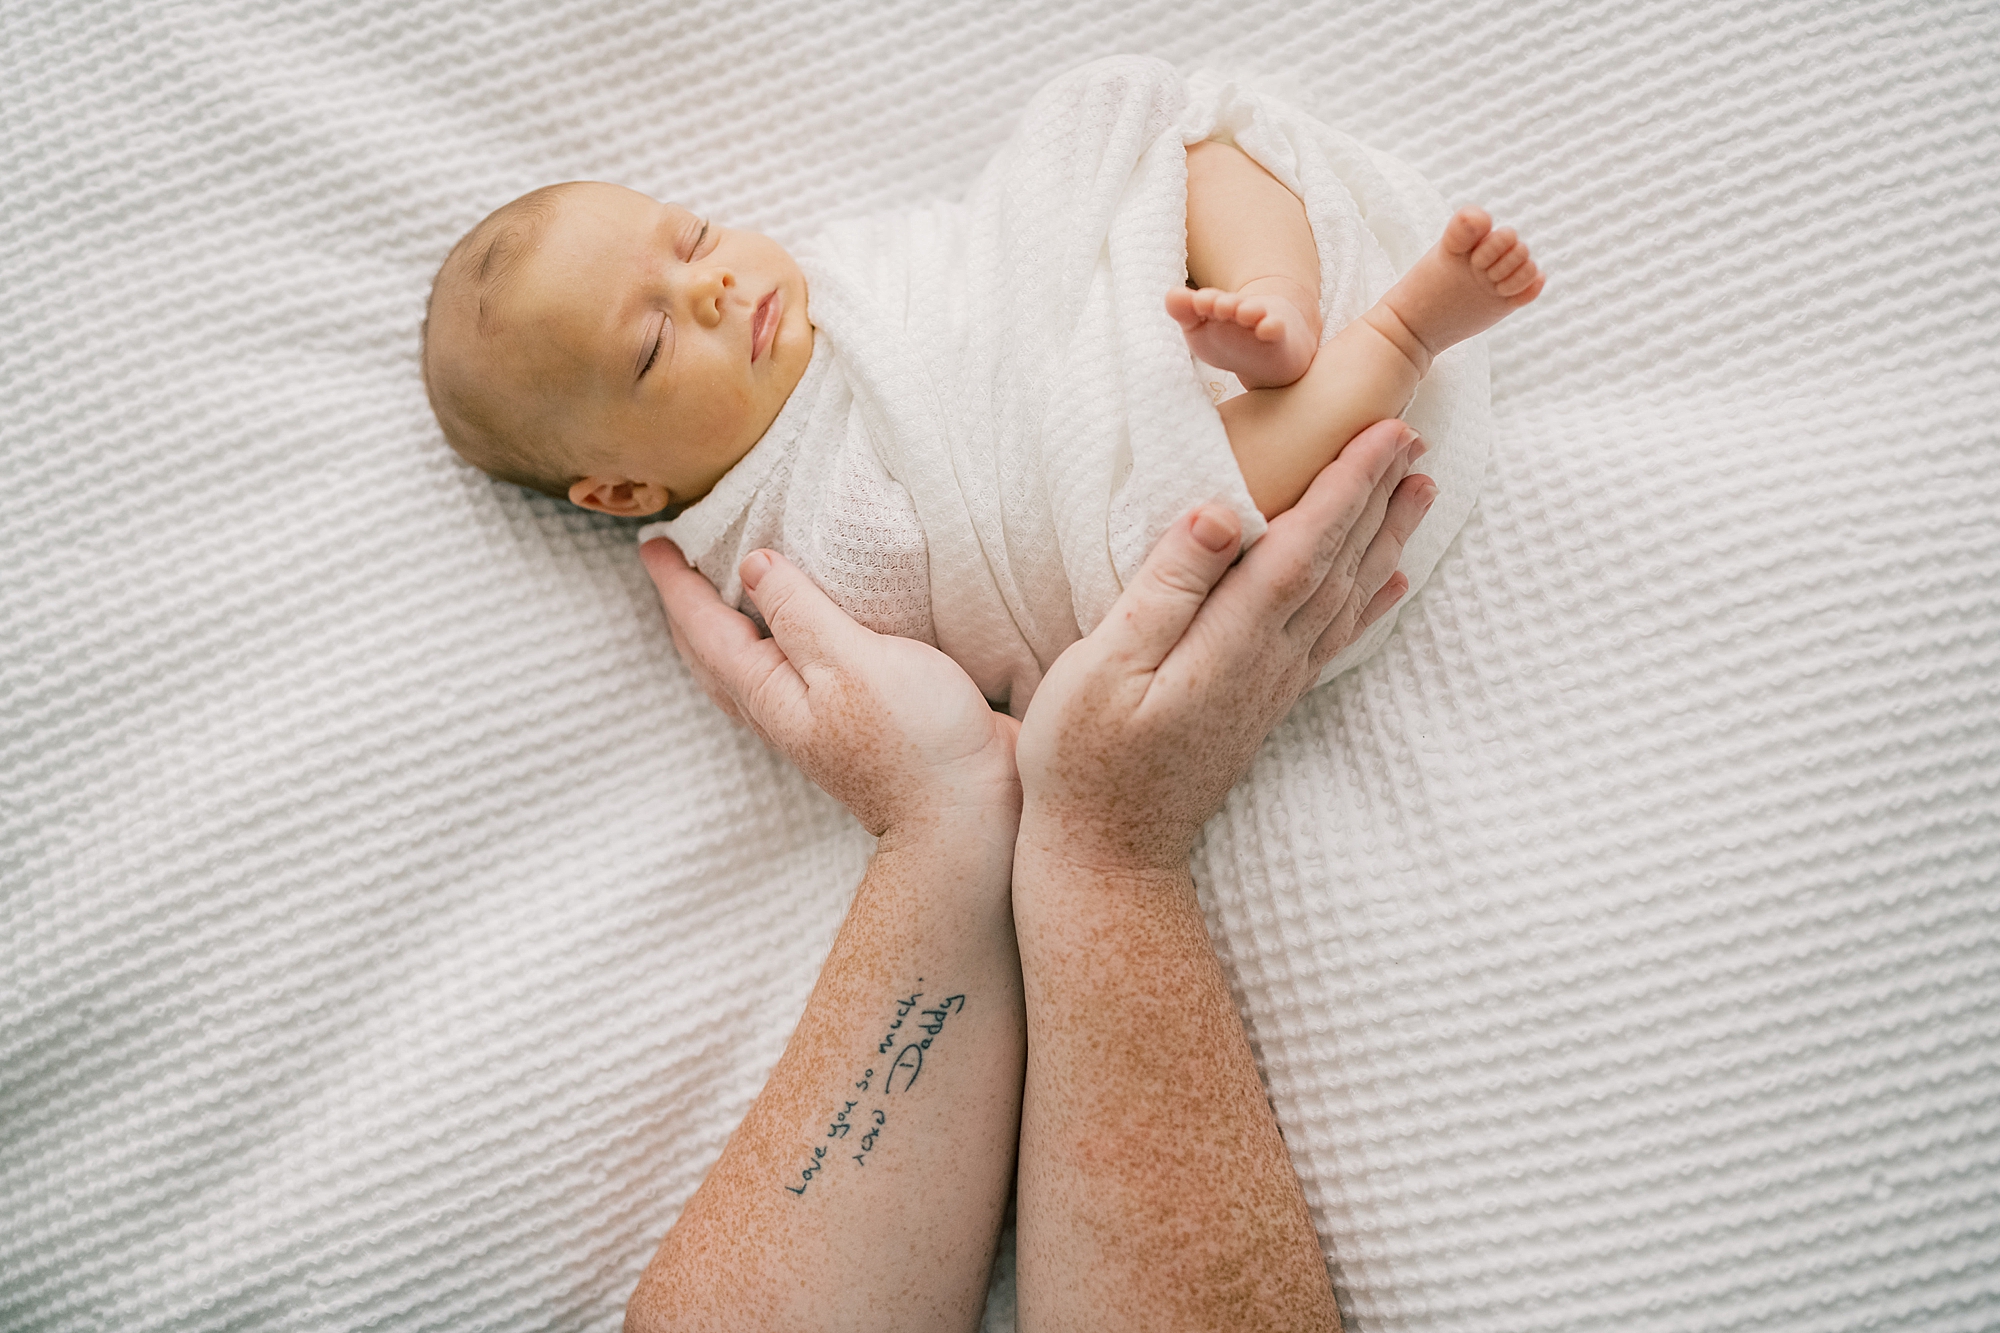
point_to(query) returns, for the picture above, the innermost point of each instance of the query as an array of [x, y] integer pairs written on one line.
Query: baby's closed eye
[[658, 339]]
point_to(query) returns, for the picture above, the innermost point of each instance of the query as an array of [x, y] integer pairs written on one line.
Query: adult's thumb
[[804, 621], [1157, 607]]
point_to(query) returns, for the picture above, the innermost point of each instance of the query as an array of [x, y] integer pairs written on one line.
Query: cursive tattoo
[[817, 1165], [865, 1117]]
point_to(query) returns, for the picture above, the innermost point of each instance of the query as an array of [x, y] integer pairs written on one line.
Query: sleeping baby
[[969, 422]]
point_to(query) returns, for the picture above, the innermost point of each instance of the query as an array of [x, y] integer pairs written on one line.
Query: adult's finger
[[712, 631], [721, 645], [1377, 583], [1160, 602], [702, 675], [1407, 507], [1353, 618], [1354, 546], [803, 620], [1385, 597], [1302, 545], [667, 567], [1338, 581], [1354, 578]]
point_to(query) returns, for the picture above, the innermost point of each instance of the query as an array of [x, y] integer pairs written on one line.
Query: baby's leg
[[1254, 309], [1282, 437]]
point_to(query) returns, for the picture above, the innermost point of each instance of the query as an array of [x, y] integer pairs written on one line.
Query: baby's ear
[[620, 498]]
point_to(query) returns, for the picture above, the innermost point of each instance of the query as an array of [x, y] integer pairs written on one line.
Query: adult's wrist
[[1068, 846], [961, 821]]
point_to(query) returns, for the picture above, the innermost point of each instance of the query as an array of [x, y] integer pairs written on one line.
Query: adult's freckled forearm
[[889, 1120], [1143, 1103]]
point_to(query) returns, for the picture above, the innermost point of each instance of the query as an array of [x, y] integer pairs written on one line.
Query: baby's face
[[669, 345]]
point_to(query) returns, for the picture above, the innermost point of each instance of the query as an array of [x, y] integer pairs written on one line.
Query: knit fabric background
[[391, 932]]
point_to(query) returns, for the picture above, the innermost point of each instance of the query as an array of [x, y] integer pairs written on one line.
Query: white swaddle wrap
[[392, 932], [1000, 419]]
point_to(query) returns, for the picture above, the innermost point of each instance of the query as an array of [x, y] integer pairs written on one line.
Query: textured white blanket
[[391, 932], [1001, 419]]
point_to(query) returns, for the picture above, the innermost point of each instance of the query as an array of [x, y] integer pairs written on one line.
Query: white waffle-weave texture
[[390, 933]]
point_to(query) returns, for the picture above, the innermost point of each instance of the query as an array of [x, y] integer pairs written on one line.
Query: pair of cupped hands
[[1139, 728]]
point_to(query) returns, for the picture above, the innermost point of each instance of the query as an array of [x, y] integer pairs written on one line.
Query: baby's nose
[[711, 289]]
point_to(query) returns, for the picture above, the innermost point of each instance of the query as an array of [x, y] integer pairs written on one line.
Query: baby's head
[[591, 343]]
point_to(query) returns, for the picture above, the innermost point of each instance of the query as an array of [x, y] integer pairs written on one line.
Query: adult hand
[[889, 727], [1141, 727], [791, 1230]]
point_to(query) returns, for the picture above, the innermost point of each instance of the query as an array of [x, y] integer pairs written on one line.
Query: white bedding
[[1000, 418], [390, 932]]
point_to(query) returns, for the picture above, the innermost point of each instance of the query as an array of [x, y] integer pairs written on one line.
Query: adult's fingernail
[[1405, 436], [1215, 528], [1430, 493], [755, 566], [1419, 446]]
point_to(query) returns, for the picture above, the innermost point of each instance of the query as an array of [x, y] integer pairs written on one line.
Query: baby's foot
[[1262, 333], [1464, 285]]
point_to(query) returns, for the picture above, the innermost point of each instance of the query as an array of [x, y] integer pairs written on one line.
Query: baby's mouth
[[764, 325]]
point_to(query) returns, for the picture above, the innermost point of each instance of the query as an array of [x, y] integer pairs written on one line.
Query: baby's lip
[[764, 325]]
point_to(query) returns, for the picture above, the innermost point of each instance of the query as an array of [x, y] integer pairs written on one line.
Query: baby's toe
[[1523, 285], [1497, 243], [1251, 311], [1466, 229], [1507, 265]]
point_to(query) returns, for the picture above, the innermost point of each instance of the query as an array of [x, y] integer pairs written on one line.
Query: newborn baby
[[969, 422]]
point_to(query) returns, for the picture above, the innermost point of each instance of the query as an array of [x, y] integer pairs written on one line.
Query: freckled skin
[[906, 1240], [1155, 1191]]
